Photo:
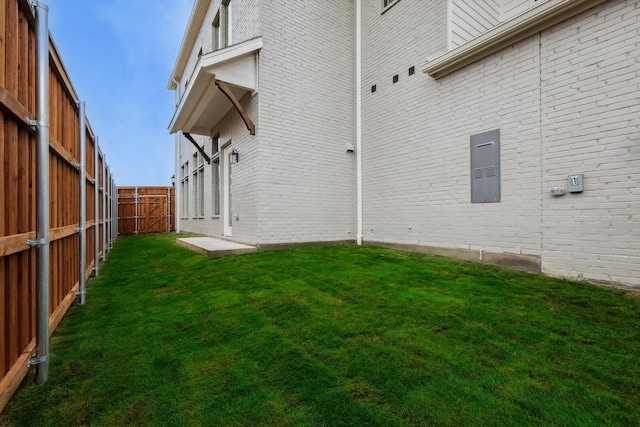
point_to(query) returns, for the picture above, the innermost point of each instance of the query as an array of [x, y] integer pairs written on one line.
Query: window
[[184, 189], [217, 33], [215, 173], [226, 8], [198, 185], [388, 3], [221, 27], [216, 186]]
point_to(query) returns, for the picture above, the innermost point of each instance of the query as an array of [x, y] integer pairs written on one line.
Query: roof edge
[[191, 33]]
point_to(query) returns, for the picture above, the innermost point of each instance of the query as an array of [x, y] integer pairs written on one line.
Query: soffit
[[203, 104]]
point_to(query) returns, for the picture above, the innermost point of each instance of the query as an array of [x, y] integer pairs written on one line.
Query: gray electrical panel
[[485, 167]]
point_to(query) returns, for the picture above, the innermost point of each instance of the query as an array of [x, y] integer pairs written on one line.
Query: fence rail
[[82, 228]]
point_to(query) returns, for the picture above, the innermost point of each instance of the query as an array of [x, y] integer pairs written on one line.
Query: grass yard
[[344, 335]]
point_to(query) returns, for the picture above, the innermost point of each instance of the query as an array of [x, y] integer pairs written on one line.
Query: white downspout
[[359, 119], [178, 197]]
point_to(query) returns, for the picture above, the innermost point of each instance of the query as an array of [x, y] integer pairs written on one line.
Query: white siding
[[511, 8], [470, 18]]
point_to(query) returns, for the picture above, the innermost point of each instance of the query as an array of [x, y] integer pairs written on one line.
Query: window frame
[[215, 175], [198, 186], [388, 4], [184, 190], [216, 33]]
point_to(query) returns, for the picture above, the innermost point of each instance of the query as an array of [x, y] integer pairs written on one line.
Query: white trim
[[507, 33], [190, 36], [227, 217]]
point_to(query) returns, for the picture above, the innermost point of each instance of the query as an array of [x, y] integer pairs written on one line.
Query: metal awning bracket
[[245, 117], [200, 149]]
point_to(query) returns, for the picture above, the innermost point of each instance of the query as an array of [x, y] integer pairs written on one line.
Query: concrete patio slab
[[214, 248]]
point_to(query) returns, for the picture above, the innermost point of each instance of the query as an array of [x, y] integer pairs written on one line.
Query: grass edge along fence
[[58, 201]]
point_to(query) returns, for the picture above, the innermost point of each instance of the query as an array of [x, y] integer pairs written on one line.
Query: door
[[227, 217]]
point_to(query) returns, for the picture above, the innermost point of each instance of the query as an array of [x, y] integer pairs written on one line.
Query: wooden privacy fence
[[82, 202], [144, 210]]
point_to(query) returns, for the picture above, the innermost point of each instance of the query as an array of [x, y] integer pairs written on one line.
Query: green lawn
[[344, 335]]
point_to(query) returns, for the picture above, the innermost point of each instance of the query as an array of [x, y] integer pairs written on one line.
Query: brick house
[[503, 131]]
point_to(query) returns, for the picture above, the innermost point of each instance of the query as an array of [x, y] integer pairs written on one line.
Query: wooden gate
[[146, 210]]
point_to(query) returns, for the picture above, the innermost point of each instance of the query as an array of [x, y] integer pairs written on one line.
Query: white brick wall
[[565, 101], [306, 184], [591, 125], [245, 26]]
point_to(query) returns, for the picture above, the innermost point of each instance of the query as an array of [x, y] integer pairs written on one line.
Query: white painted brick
[[565, 101]]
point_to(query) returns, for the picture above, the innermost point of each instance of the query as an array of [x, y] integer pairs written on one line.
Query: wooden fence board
[[144, 210], [18, 190], [3, 26], [3, 336]]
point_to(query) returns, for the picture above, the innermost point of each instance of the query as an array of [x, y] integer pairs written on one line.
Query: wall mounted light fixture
[[234, 157]]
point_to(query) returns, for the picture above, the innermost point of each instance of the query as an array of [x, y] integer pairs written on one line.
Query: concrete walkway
[[215, 248]]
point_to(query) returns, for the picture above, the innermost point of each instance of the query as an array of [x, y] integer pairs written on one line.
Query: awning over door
[[218, 81]]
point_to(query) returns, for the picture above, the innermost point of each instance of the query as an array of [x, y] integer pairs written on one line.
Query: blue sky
[[119, 54]]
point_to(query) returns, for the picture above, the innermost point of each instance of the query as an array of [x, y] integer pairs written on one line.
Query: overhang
[[540, 17], [219, 79]]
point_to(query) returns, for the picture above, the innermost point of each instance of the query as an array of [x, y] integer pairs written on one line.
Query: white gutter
[[359, 119]]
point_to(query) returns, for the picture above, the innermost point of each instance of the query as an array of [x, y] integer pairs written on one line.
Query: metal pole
[[96, 203], [109, 212], [82, 226], [111, 196], [116, 197], [41, 360], [137, 202], [104, 206]]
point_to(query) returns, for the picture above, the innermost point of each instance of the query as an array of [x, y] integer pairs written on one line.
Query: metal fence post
[[136, 200], [41, 360], [82, 226], [104, 206], [96, 203]]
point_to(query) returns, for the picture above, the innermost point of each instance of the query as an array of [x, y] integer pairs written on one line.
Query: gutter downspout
[[178, 196], [359, 119], [41, 359], [82, 226]]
